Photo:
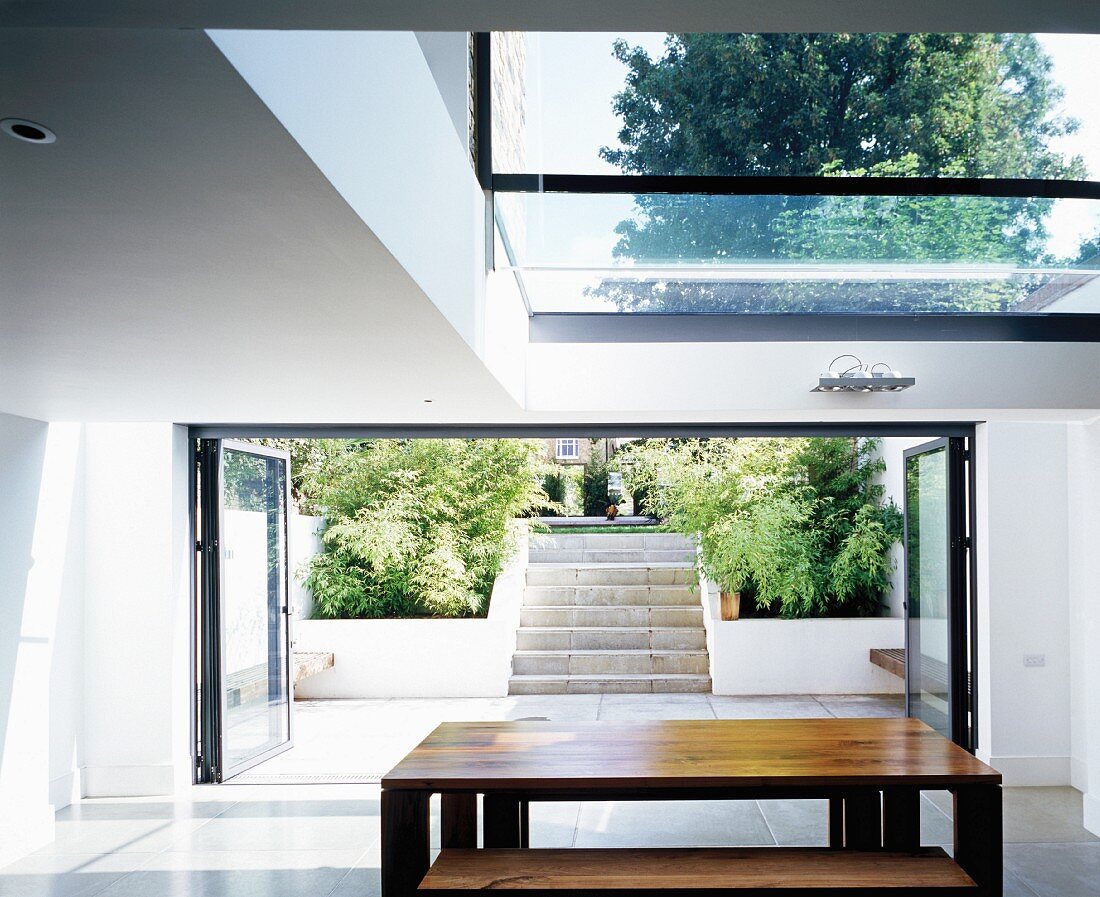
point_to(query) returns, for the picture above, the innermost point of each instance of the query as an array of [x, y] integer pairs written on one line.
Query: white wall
[[305, 542], [1084, 583], [137, 610], [782, 657], [366, 109], [420, 658], [1023, 601], [40, 651]]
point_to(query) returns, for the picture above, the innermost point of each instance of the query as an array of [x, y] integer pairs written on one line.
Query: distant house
[[576, 450]]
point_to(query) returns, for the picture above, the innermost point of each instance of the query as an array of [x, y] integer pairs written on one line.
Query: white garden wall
[[813, 656], [419, 658]]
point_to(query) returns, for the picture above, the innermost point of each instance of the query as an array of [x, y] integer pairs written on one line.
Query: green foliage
[[416, 527], [799, 526], [554, 485], [836, 104], [594, 488]]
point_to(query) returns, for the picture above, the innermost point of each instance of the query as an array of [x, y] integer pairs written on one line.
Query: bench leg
[[525, 823], [901, 818], [458, 820], [979, 836], [836, 822], [405, 841], [863, 820], [501, 823]]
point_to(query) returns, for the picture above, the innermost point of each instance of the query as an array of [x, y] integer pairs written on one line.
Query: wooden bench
[[766, 870], [310, 663], [890, 659]]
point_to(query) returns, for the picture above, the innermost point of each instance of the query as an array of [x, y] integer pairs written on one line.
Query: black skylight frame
[[602, 327]]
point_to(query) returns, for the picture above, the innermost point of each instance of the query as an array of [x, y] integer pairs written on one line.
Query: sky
[[573, 76]]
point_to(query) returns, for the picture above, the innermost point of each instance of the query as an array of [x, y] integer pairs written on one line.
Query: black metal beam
[[567, 428], [642, 327], [483, 108], [793, 185]]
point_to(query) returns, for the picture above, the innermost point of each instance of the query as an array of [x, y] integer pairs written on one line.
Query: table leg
[[979, 836], [836, 822], [405, 841], [863, 820], [501, 826], [458, 820], [901, 818]]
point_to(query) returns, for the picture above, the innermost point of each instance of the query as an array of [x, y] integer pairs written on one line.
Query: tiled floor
[[322, 840]]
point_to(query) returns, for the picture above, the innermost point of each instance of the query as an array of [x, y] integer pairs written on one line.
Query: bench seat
[[768, 870]]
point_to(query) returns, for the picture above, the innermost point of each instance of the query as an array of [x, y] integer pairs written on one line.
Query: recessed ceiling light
[[27, 131]]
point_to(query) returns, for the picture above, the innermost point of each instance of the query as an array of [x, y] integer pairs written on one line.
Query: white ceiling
[[176, 256], [567, 15]]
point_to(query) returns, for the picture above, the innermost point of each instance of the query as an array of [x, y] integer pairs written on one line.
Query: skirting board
[[1092, 813], [1034, 771], [66, 789], [129, 781], [1079, 774]]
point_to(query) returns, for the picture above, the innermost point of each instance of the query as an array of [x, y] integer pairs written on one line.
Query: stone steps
[[609, 662], [609, 596], [610, 613], [654, 574], [617, 615], [641, 556], [610, 684], [610, 638]]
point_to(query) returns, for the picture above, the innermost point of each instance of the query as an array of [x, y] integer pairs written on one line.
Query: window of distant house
[[568, 449]]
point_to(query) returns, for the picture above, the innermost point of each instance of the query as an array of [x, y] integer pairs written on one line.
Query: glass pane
[[928, 588], [776, 253], [254, 640], [978, 105]]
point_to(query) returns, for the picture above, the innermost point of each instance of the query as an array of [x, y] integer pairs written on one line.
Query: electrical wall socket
[[1035, 660]]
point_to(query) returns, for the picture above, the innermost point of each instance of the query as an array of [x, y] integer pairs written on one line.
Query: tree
[[417, 526], [834, 104], [799, 526]]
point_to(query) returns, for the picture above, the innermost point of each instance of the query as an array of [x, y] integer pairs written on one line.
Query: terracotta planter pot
[[730, 605]]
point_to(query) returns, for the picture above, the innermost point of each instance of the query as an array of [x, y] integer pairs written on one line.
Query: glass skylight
[[668, 253], [975, 105]]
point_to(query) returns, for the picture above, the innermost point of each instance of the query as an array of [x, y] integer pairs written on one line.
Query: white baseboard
[[129, 781], [1079, 774], [1092, 813], [66, 789], [1033, 771]]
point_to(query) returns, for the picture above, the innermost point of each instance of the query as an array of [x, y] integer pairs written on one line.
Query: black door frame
[[201, 435], [207, 629], [961, 609]]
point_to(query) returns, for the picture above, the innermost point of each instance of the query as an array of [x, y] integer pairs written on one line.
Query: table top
[[652, 755]]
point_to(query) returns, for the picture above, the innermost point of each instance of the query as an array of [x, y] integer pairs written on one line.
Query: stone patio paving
[[362, 739]]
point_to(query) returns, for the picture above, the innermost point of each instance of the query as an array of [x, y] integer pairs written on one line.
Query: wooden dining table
[[871, 771]]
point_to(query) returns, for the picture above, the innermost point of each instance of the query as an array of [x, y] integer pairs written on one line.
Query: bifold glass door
[[937, 599], [245, 690]]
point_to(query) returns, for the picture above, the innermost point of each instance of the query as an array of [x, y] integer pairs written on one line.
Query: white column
[[40, 595], [1023, 601], [137, 610]]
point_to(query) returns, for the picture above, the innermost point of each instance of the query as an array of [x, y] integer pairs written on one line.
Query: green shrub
[[594, 488], [417, 527], [798, 526], [554, 485]]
